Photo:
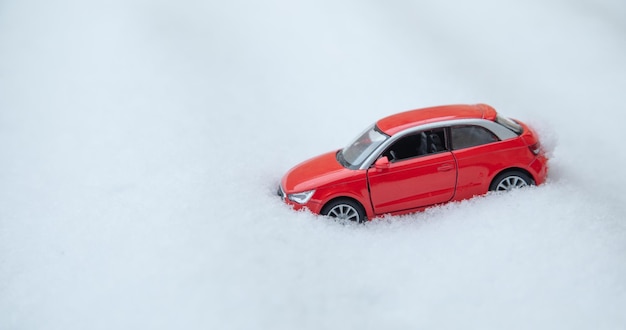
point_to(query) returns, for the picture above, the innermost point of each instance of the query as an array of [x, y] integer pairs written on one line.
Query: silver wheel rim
[[511, 182], [344, 212]]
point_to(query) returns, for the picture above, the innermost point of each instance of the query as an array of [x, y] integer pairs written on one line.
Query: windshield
[[357, 151]]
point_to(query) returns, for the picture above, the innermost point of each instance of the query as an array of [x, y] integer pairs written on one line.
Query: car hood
[[316, 172]]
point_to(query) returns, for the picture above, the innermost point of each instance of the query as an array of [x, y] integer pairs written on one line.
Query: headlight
[[280, 192], [301, 198]]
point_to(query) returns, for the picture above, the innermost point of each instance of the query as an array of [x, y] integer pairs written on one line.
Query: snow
[[141, 143]]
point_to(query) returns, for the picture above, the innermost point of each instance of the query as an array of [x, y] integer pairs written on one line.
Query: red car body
[[412, 160]]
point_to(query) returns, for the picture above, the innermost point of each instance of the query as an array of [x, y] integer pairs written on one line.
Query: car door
[[422, 172]]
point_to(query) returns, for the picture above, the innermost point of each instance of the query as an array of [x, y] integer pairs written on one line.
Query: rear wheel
[[344, 209], [511, 180]]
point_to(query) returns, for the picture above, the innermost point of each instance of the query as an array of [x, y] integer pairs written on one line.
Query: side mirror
[[382, 163]]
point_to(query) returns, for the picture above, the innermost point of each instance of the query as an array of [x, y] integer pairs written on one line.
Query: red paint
[[412, 118], [413, 184], [417, 182]]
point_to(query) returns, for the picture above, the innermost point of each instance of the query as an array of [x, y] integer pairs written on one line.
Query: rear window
[[510, 124]]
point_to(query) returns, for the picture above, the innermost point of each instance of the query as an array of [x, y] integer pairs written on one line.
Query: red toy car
[[415, 159]]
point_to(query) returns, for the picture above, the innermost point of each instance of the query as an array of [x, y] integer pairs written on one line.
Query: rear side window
[[471, 136]]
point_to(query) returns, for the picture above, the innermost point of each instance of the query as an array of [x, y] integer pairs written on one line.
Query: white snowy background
[[141, 143]]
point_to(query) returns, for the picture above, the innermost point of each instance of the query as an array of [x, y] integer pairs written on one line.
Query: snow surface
[[141, 143]]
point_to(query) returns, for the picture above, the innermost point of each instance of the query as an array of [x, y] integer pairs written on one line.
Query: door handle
[[445, 167]]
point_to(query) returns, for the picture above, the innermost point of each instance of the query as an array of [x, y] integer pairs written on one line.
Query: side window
[[471, 136], [404, 148], [423, 143]]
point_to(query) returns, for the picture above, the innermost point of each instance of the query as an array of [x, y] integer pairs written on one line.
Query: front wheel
[[344, 209], [511, 180]]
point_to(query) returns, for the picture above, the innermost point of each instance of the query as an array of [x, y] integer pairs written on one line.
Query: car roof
[[408, 119]]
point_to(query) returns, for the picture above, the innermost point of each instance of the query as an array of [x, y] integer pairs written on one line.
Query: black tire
[[511, 180], [345, 209]]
